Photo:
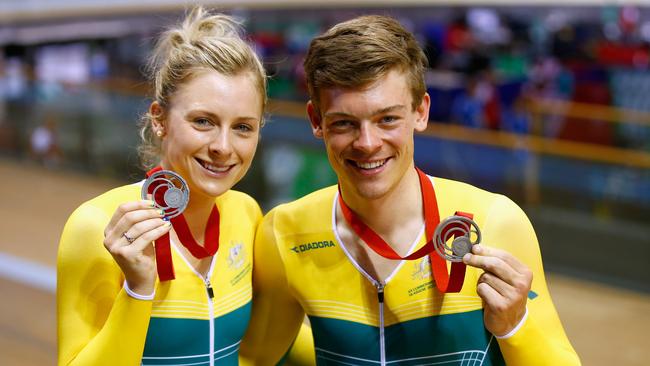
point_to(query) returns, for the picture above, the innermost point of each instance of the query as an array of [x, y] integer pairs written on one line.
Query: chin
[[215, 193], [211, 189], [370, 191]]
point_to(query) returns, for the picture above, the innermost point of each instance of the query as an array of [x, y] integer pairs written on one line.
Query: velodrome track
[[607, 326]]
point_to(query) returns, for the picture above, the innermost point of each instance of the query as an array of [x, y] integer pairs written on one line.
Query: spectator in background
[[467, 107], [13, 91], [516, 117], [5, 137], [548, 80], [15, 78], [44, 144], [489, 94], [479, 105]]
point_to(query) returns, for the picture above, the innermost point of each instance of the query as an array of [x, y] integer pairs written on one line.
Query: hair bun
[[200, 24]]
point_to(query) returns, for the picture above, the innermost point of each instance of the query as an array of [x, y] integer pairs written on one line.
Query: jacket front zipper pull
[[382, 341], [208, 287]]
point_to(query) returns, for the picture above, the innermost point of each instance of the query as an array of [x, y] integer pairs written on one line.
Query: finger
[[495, 265], [502, 254], [146, 238], [143, 226], [128, 207], [491, 297], [112, 232], [131, 218], [502, 287], [524, 276]]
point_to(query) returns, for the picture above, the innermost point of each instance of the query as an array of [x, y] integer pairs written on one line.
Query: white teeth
[[371, 165], [214, 168]]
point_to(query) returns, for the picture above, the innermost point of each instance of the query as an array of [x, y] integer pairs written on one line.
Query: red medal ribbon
[[164, 262], [444, 281]]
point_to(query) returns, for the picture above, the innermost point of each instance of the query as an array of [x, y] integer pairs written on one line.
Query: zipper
[[208, 288], [382, 341], [210, 294], [378, 284]]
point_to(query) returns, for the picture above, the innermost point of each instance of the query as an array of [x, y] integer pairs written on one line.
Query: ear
[[315, 120], [157, 114], [423, 113]]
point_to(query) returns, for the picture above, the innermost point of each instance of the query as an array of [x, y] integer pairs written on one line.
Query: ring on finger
[[128, 238]]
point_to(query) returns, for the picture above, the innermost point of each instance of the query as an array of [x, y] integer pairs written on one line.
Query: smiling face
[[210, 130], [368, 134]]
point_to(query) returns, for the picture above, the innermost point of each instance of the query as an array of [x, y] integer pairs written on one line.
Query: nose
[[368, 139], [221, 143]]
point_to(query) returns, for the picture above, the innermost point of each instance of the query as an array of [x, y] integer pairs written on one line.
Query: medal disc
[[174, 197], [169, 192], [461, 229], [461, 246]]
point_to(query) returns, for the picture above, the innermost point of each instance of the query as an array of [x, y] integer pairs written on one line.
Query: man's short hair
[[359, 52]]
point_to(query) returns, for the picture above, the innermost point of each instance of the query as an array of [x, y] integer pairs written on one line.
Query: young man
[[314, 256]]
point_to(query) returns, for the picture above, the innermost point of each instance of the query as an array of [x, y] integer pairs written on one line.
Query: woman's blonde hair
[[202, 41]]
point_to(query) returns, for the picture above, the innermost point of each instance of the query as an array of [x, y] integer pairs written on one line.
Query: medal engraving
[[174, 197], [169, 192], [462, 229], [461, 246]]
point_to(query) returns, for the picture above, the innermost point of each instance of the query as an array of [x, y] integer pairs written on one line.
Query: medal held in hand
[[169, 192], [461, 229]]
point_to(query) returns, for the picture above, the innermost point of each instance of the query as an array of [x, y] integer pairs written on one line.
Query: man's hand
[[503, 286]]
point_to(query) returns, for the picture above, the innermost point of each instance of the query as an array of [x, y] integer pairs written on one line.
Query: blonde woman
[[204, 124]]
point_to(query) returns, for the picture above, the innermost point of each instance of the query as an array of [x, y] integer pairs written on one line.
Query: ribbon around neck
[[445, 281], [164, 263]]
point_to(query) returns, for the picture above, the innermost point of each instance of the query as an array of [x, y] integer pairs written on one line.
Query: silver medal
[[460, 226], [173, 188]]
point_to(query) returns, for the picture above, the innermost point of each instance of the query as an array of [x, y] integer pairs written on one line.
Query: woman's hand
[[129, 236]]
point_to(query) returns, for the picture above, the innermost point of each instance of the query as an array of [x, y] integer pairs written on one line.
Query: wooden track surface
[[606, 325]]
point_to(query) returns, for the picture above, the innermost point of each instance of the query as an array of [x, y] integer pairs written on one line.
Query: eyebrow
[[193, 112], [374, 113]]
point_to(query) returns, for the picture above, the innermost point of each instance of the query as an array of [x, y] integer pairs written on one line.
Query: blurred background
[[546, 103]]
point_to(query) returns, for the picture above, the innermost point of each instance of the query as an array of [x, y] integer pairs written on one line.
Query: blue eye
[[341, 123], [388, 119], [202, 121], [243, 127]]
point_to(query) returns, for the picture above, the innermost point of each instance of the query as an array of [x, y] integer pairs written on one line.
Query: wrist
[[140, 293], [514, 330]]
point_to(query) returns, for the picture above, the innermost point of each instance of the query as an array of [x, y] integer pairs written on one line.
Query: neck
[[197, 213], [398, 207]]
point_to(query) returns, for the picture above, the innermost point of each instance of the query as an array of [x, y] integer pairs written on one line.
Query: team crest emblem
[[421, 269], [236, 256]]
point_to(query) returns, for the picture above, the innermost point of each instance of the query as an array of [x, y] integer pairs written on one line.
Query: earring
[[159, 133]]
